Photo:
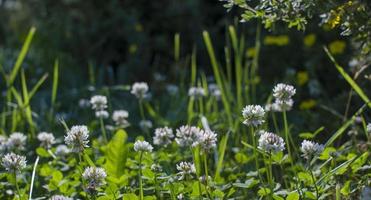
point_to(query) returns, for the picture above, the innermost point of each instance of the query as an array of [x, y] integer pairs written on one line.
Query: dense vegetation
[[273, 103]]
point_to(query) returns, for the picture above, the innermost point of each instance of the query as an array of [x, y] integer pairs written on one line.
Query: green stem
[[270, 172], [252, 133], [315, 183], [287, 137], [206, 176], [16, 185], [33, 176], [140, 176], [156, 187], [103, 130], [141, 110]]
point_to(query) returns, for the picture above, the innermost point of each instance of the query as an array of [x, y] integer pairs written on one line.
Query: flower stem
[[103, 130], [315, 183], [287, 137], [140, 176], [141, 110], [16, 184], [206, 176], [270, 172]]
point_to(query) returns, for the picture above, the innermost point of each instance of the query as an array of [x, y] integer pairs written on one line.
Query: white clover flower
[[3, 144], [98, 102], [139, 89], [156, 168], [207, 140], [271, 107], [142, 146], [187, 136], [60, 197], [271, 142], [95, 177], [253, 115], [281, 106], [13, 163], [16, 141], [77, 138], [46, 139], [310, 149], [120, 118], [172, 89], [186, 169], [145, 124], [101, 114], [215, 91], [163, 136], [62, 150], [84, 103], [283, 92], [196, 92], [180, 196]]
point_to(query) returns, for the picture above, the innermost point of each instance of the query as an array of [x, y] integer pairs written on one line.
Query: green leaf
[[248, 183], [293, 196], [116, 153], [345, 190], [130, 196]]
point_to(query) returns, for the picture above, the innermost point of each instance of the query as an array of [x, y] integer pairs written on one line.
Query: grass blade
[[218, 78], [221, 152], [21, 56], [349, 79], [55, 82]]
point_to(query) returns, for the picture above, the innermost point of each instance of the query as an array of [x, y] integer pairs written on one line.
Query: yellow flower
[[302, 77], [307, 104], [309, 40], [337, 47], [138, 27], [133, 48], [250, 52], [280, 40]]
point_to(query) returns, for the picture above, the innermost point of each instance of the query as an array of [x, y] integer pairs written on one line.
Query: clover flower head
[[139, 89], [283, 105], [156, 168], [98, 102], [145, 124], [16, 141], [196, 92], [188, 136], [172, 89], [215, 91], [207, 140], [77, 138], [253, 115], [271, 142], [142, 146], [283, 91], [120, 118], [46, 139], [95, 177], [13, 163], [84, 103], [3, 144], [180, 196], [62, 150], [101, 114], [163, 136], [310, 149], [186, 169], [60, 197]]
